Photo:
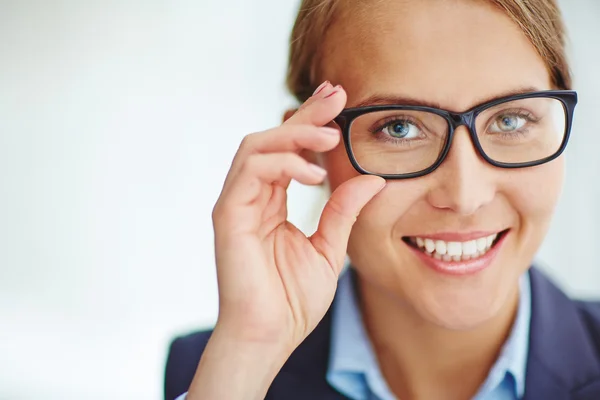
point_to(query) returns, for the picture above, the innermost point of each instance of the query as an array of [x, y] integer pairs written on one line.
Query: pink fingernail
[[317, 170], [320, 88], [335, 90], [329, 131]]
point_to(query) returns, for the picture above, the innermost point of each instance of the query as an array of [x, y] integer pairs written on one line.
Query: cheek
[[395, 200], [534, 193], [401, 200], [374, 242], [377, 227]]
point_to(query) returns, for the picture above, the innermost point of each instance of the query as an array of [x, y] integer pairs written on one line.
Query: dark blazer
[[563, 360]]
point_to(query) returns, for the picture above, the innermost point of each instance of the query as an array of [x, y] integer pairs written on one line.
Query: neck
[[421, 360]]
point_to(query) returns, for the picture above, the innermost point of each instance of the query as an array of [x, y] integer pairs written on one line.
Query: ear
[[308, 155]]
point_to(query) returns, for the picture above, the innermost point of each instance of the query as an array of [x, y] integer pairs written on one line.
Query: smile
[[457, 256]]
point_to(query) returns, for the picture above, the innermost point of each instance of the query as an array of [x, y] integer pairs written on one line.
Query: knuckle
[[327, 251], [247, 143], [220, 212], [299, 129], [250, 164], [305, 131], [216, 212], [337, 208], [302, 109], [293, 162], [223, 216], [287, 158]]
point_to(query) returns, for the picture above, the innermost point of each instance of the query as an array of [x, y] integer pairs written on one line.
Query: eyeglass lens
[[405, 141]]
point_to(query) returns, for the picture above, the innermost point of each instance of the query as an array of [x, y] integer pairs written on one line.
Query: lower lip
[[468, 267]]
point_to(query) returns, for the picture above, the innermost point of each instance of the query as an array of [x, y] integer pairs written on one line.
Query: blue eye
[[401, 129], [508, 123]]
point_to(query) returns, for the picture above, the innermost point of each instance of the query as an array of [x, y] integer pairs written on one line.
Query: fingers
[[301, 131], [322, 108], [339, 215], [271, 157], [298, 131], [293, 138], [272, 168]]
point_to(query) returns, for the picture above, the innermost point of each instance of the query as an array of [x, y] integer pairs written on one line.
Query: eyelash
[[388, 121], [527, 115], [376, 130]]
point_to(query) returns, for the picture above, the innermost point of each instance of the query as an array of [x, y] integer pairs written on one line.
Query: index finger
[[320, 109]]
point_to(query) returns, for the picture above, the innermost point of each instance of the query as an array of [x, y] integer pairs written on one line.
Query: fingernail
[[317, 170], [329, 131], [336, 90], [320, 88]]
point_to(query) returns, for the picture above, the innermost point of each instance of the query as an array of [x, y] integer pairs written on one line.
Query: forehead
[[456, 53]]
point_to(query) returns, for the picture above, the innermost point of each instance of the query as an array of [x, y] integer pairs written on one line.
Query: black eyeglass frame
[[568, 98]]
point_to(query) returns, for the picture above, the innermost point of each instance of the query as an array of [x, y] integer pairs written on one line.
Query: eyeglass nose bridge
[[458, 119], [468, 120]]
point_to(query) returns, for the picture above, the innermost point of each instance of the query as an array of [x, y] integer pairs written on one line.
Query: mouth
[[454, 256]]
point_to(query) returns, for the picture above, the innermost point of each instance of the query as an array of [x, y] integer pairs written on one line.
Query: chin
[[464, 294], [466, 303], [451, 294], [461, 312]]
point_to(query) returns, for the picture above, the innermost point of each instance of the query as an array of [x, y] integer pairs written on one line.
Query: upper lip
[[458, 236]]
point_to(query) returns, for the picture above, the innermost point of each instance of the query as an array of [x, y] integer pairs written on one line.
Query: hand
[[275, 284]]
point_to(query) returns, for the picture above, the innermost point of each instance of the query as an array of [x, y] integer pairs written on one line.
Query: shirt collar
[[513, 356], [353, 368]]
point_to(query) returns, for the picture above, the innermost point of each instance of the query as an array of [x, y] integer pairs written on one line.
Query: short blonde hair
[[540, 20]]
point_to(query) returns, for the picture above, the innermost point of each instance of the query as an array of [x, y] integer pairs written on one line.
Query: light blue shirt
[[354, 371], [353, 368]]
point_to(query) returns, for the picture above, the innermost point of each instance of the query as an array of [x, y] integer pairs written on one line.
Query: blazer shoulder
[[182, 360]]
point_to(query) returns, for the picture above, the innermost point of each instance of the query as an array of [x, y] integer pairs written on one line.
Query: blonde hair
[[540, 20]]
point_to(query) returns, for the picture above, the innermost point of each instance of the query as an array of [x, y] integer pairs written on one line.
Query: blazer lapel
[[561, 363]]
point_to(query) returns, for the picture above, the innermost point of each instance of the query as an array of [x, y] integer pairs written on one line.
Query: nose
[[464, 182]]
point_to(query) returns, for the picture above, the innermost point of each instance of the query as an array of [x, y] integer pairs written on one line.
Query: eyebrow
[[376, 100]]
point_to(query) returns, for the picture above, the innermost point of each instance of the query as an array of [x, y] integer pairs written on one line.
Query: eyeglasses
[[400, 142]]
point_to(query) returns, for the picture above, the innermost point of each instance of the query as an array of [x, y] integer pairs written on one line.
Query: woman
[[449, 120]]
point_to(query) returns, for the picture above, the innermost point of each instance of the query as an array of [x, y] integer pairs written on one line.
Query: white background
[[118, 121]]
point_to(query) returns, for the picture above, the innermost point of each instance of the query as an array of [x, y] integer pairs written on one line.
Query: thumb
[[339, 215]]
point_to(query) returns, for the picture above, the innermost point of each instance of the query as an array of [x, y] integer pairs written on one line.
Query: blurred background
[[118, 122]]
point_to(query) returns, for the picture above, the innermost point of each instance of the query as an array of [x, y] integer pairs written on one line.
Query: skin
[[448, 320], [435, 335]]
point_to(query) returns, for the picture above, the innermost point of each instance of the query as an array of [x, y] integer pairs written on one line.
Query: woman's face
[[457, 54]]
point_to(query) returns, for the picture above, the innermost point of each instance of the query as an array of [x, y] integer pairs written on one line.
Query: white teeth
[[440, 247], [455, 251], [490, 239], [429, 245], [469, 248], [481, 244]]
